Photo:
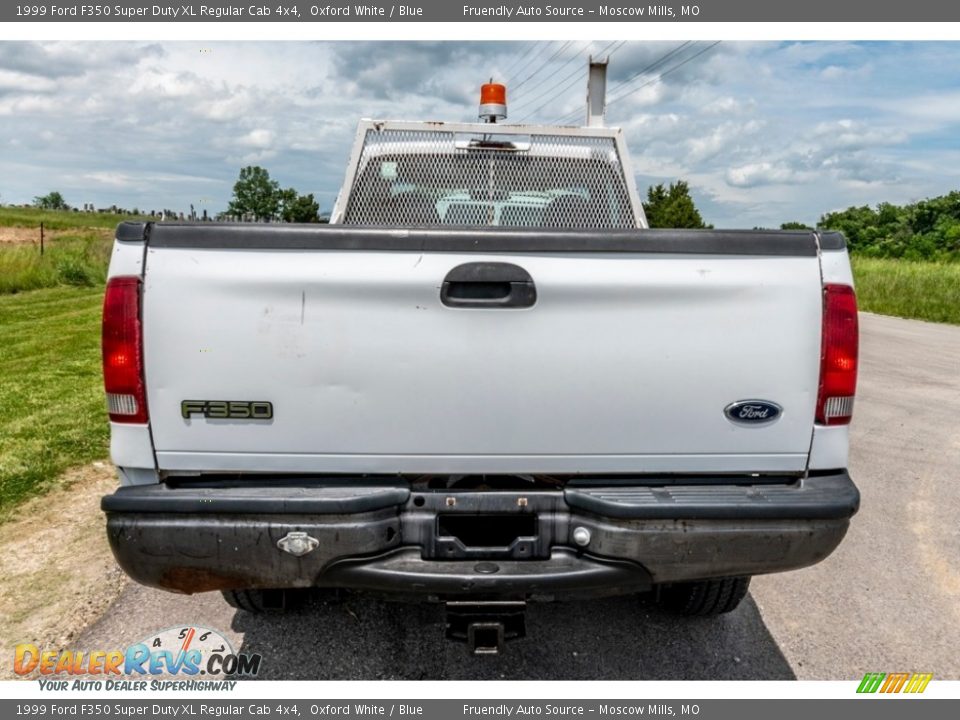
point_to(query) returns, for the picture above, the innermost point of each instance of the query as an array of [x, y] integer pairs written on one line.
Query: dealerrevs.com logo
[[183, 651]]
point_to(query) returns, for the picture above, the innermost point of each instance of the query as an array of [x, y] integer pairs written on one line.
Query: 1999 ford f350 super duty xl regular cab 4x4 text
[[485, 382]]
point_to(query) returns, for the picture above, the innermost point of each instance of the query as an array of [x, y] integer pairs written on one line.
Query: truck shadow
[[361, 637]]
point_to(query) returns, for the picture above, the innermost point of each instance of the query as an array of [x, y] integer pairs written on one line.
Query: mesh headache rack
[[451, 174]]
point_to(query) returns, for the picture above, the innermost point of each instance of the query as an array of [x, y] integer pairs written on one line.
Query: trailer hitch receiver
[[485, 626]]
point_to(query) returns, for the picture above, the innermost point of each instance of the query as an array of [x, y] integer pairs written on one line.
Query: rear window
[[470, 182]]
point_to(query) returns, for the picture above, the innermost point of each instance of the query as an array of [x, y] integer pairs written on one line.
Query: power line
[[571, 115], [619, 45], [529, 101], [561, 90], [656, 63], [665, 73], [576, 75], [659, 61], [543, 65], [540, 47], [518, 63]]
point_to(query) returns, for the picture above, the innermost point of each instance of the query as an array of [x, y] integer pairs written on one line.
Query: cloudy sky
[[763, 132]]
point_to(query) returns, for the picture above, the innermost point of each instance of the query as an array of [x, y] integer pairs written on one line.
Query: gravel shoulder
[[57, 574]]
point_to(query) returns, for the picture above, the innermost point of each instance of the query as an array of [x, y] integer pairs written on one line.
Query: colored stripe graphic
[[913, 683], [894, 682], [870, 683], [918, 683]]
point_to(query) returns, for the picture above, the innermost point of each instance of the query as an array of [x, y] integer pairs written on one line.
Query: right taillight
[[838, 356], [123, 351]]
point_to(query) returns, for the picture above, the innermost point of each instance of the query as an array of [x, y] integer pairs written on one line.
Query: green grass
[[78, 259], [52, 413], [919, 290], [60, 219]]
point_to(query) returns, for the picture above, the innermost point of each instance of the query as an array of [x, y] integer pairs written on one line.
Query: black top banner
[[479, 11]]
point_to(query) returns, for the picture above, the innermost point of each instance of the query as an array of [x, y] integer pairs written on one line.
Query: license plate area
[[462, 535], [485, 525]]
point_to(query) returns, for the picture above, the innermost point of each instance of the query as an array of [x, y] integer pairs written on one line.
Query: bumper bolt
[[581, 536]]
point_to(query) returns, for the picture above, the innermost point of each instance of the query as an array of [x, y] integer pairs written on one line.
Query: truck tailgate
[[635, 345]]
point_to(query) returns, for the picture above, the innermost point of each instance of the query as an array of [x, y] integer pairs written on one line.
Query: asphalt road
[[887, 600]]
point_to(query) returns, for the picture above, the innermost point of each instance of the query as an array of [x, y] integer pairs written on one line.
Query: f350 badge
[[227, 409], [752, 412]]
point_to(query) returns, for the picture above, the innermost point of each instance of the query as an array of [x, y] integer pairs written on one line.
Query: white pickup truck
[[485, 382]]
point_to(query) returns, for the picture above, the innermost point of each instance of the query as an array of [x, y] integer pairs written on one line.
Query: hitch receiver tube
[[486, 625]]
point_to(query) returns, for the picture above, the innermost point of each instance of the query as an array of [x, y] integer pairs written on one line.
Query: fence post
[[41, 238]]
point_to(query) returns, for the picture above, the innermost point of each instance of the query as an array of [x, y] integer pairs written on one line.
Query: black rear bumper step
[[262, 499], [823, 497], [587, 538]]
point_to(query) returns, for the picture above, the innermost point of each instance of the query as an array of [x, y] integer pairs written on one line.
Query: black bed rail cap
[[132, 231], [283, 236], [832, 240]]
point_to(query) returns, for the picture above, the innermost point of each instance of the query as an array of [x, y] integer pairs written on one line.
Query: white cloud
[[20, 81], [111, 179], [847, 133], [847, 72], [258, 138], [728, 106], [27, 105], [930, 108], [764, 132], [763, 173], [725, 137]]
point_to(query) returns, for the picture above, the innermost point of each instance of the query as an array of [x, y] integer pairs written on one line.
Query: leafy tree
[[795, 226], [255, 194], [51, 201], [285, 201], [925, 230], [672, 207], [297, 208]]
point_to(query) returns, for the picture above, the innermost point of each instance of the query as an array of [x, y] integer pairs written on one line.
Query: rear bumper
[[384, 537]]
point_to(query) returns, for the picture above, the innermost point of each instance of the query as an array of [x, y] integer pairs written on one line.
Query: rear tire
[[704, 598], [261, 601]]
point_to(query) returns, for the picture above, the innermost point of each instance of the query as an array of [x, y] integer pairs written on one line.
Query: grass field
[[60, 219], [77, 255], [919, 290], [52, 413], [78, 258]]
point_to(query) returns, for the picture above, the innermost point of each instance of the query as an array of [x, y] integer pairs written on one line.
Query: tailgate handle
[[488, 285]]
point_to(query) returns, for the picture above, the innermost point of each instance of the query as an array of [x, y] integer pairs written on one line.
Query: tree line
[[924, 230]]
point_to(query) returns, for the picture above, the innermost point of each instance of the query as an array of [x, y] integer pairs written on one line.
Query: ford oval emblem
[[752, 412]]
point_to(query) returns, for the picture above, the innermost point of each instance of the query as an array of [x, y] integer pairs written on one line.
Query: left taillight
[[123, 351], [839, 356]]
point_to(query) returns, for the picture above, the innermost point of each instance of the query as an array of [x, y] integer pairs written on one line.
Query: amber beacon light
[[493, 102]]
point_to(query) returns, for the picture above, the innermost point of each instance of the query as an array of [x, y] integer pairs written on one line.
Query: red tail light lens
[[839, 353], [123, 351]]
